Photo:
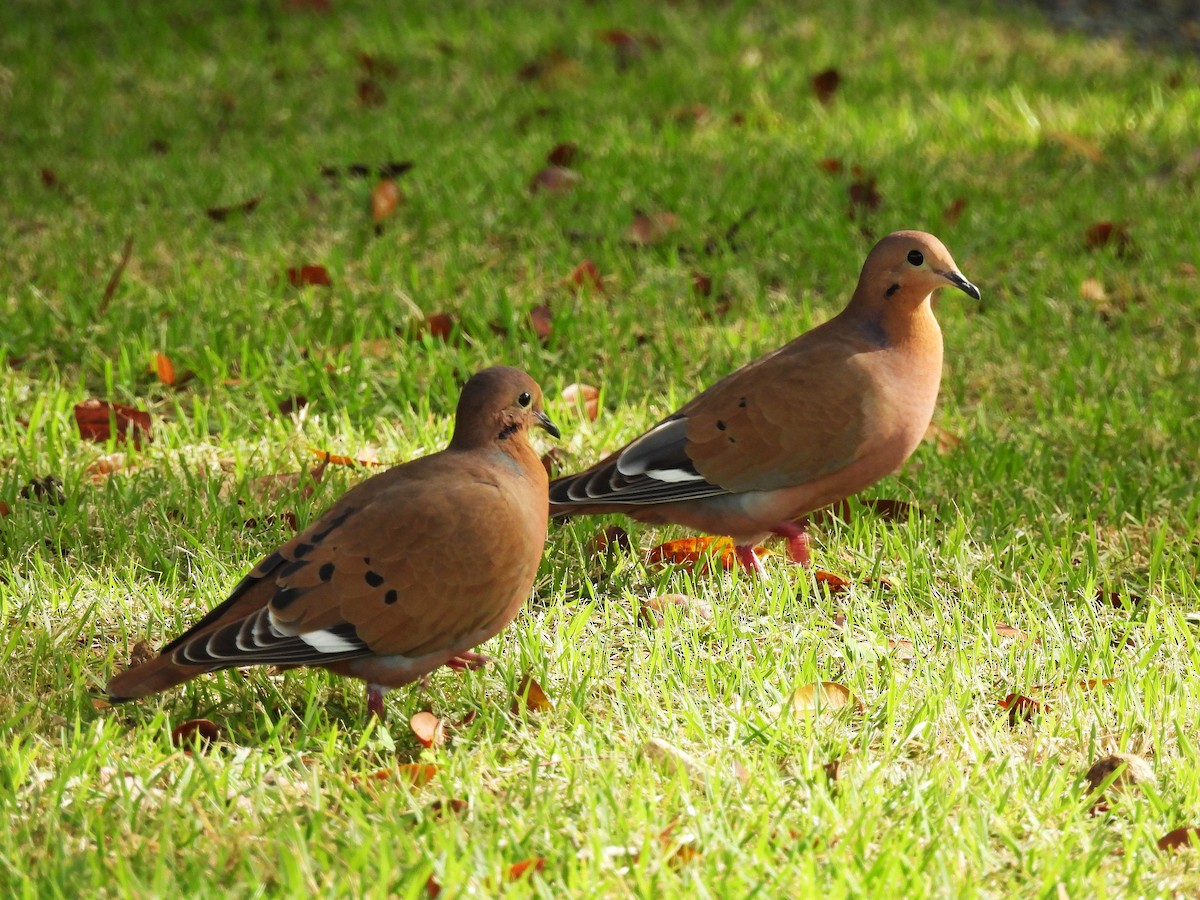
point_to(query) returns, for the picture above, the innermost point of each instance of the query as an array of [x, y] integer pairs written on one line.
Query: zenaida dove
[[805, 426], [408, 571]]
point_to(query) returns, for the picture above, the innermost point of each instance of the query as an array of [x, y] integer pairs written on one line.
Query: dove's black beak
[[544, 421], [957, 279]]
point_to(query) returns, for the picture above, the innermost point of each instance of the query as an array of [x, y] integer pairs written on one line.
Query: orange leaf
[[649, 229], [333, 459], [825, 85], [1180, 839], [416, 774], [587, 275], [318, 276], [554, 180], [678, 851], [106, 465], [554, 460], [432, 888], [698, 552], [5, 509], [903, 648], [429, 729], [585, 394], [530, 696], [831, 165], [609, 539], [518, 869], [385, 198], [1102, 234], [97, 420], [835, 584], [439, 326], [1008, 631], [1021, 708], [163, 368], [193, 732], [1077, 145]]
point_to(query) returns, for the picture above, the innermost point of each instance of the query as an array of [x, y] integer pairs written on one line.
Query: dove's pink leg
[[798, 542], [375, 694], [749, 560]]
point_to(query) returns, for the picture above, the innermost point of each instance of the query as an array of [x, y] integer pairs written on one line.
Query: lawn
[[175, 178]]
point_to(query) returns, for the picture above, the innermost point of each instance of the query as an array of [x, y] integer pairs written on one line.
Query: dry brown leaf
[[554, 461], [1180, 839], [1102, 234], [1021, 708], [1131, 770], [678, 851], [610, 539], [555, 180], [864, 197], [902, 648], [945, 440], [530, 697], [106, 465], [890, 510], [552, 68], [99, 419], [649, 229], [835, 584], [831, 165], [428, 728], [196, 732], [162, 366], [221, 213], [334, 459], [5, 509], [701, 284], [114, 280], [953, 212], [563, 154], [673, 761], [822, 696], [314, 275], [587, 275], [1013, 633], [416, 774], [583, 395], [1092, 289], [825, 85], [385, 200], [652, 612], [541, 319]]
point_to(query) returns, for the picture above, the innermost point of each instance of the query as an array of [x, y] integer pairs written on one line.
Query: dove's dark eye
[[525, 399], [915, 257]]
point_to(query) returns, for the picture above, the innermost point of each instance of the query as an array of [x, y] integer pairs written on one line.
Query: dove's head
[[904, 268], [498, 404]]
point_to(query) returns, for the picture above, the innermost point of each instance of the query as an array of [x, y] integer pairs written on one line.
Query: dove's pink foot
[[749, 559], [469, 661], [798, 541]]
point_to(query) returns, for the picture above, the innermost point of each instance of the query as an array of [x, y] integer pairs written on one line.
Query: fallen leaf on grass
[[1021, 708], [610, 539], [1127, 770], [530, 697], [370, 94], [825, 84], [835, 584], [554, 461], [583, 395], [699, 552], [554, 180], [649, 229], [334, 459], [5, 509], [100, 420], [701, 284], [49, 178], [385, 199], [106, 465], [944, 440], [439, 327], [415, 774], [552, 67], [953, 212], [587, 275], [1180, 839], [1092, 290], [309, 275], [1102, 234], [890, 510], [652, 612], [519, 869], [452, 805], [830, 165], [221, 213], [1115, 600], [678, 850], [1012, 633], [864, 197], [162, 367], [902, 648], [822, 696], [563, 154], [193, 732], [292, 404], [1077, 145], [428, 728], [541, 319], [674, 761]]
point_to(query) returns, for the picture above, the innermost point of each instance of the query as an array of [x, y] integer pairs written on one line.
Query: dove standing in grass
[[817, 420], [408, 571]]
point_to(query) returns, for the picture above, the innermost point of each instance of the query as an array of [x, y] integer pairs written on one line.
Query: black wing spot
[[391, 597], [326, 571], [291, 568], [720, 425], [285, 596], [366, 560], [732, 440], [893, 289], [303, 550], [374, 579], [742, 403], [317, 538]]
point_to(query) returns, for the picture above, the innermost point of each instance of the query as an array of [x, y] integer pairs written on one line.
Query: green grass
[[1077, 468]]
